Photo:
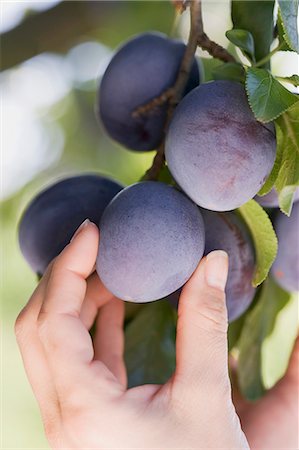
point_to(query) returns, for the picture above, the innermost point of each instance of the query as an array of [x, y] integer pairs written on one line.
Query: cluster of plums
[[153, 235]]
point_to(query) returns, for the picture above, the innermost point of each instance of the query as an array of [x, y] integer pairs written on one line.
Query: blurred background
[[53, 55]]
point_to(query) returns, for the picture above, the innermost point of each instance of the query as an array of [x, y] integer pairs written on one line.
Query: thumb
[[202, 326]]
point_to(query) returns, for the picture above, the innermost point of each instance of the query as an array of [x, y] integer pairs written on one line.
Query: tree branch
[[211, 47], [180, 84], [55, 30]]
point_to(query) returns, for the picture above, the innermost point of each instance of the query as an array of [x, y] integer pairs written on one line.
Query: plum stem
[[197, 37], [204, 42], [176, 92]]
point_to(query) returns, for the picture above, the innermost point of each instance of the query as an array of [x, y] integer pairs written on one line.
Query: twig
[[147, 108], [197, 37], [178, 88]]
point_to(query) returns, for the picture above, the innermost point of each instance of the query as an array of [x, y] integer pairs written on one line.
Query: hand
[[272, 422], [81, 386]]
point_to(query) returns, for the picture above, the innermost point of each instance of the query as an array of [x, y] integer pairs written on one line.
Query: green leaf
[[294, 80], [209, 65], [283, 45], [273, 174], [234, 331], [287, 135], [244, 40], [165, 176], [289, 14], [286, 199], [268, 99], [257, 18], [259, 323], [264, 238], [278, 346], [150, 344], [229, 71]]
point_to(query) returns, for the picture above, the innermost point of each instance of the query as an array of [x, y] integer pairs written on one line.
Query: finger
[[66, 341], [96, 296], [202, 327], [34, 360], [109, 338], [280, 404]]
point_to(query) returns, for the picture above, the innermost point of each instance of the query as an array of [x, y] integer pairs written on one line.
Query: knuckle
[[21, 324], [51, 429], [209, 312], [46, 329]]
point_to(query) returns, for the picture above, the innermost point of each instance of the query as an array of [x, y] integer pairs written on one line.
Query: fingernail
[[216, 269], [80, 228]]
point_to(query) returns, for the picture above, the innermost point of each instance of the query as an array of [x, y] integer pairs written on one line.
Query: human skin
[[80, 385]]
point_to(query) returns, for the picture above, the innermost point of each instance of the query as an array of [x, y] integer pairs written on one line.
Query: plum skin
[[53, 216], [285, 269], [216, 150], [152, 239], [142, 69], [226, 231]]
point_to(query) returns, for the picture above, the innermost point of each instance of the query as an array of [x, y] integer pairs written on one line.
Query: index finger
[[66, 340]]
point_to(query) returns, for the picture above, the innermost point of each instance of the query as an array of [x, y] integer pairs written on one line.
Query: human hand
[[80, 385], [272, 422]]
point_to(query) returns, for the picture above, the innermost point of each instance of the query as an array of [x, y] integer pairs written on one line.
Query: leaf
[[150, 344], [273, 174], [244, 40], [268, 99], [289, 14], [264, 238], [234, 331], [229, 71], [293, 79], [283, 45], [209, 65], [278, 346], [259, 323], [286, 199], [257, 18], [287, 135], [165, 176]]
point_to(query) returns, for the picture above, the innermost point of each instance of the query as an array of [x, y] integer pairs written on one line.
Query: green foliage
[[244, 40], [283, 45], [274, 173], [268, 99], [150, 344], [287, 133], [229, 71], [257, 18], [210, 66], [259, 323], [234, 331], [293, 79], [289, 15], [165, 176], [264, 238]]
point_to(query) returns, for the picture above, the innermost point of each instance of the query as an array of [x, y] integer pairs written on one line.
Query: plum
[[53, 216], [285, 269], [216, 150], [152, 238], [226, 231], [141, 70]]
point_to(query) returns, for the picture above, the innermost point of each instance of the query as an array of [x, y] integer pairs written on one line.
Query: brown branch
[[149, 107], [56, 29], [179, 86], [214, 49]]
